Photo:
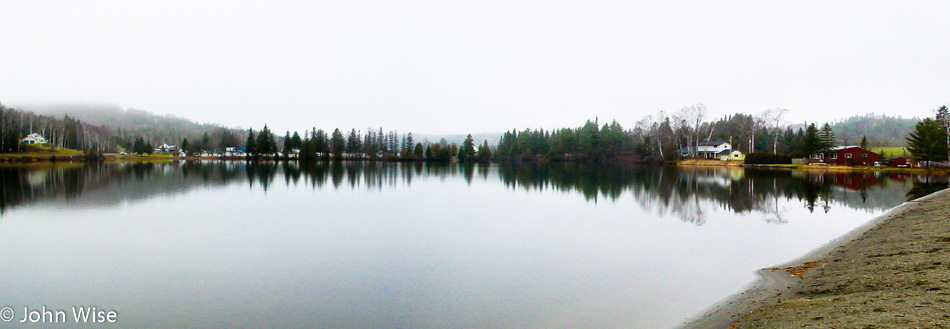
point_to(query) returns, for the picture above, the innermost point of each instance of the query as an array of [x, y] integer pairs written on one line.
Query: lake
[[411, 245]]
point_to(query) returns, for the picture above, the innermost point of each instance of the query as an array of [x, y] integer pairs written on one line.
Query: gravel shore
[[893, 272]]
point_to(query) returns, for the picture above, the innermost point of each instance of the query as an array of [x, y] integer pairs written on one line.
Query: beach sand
[[893, 272]]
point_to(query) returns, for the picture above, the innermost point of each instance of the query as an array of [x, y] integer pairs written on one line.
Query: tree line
[[658, 137], [375, 144]]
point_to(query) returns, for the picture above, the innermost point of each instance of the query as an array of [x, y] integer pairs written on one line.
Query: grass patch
[[891, 151], [41, 151]]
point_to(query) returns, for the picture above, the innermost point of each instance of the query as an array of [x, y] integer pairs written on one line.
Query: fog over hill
[[161, 128], [880, 129], [171, 129]]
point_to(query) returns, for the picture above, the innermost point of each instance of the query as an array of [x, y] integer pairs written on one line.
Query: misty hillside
[[881, 130], [492, 138], [160, 128]]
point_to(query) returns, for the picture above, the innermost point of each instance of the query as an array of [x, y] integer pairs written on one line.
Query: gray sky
[[477, 66]]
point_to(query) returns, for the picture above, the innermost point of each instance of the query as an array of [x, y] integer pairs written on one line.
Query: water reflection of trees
[[685, 192], [108, 183]]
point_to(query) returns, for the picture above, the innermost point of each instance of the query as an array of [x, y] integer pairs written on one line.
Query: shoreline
[[783, 293], [816, 168]]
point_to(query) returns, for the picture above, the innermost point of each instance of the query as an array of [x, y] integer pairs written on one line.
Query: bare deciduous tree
[[772, 120]]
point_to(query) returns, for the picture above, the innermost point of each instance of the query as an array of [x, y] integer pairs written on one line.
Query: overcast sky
[[477, 66]]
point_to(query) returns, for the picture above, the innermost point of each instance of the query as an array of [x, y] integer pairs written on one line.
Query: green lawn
[[891, 151], [45, 150]]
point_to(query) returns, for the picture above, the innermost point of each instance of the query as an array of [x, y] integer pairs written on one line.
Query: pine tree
[[417, 153], [287, 143], [369, 143], [408, 145], [205, 142], [266, 144], [467, 151], [250, 145], [185, 146], [139, 147], [337, 144], [321, 142], [295, 141], [928, 141], [943, 118], [353, 143], [484, 152], [827, 138], [811, 142], [864, 142]]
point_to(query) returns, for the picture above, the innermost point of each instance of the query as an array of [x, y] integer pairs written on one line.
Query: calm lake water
[[386, 245]]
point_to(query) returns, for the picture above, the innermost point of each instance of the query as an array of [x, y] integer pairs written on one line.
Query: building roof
[[843, 147], [712, 143]]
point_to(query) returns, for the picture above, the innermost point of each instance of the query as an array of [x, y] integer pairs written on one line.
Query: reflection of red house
[[847, 156], [855, 181]]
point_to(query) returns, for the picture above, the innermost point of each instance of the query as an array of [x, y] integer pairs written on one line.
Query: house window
[[834, 156], [847, 155], [864, 155]]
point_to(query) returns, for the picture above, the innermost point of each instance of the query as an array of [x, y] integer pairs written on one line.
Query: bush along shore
[[893, 272]]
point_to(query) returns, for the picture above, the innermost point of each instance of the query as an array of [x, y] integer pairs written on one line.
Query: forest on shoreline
[[655, 138]]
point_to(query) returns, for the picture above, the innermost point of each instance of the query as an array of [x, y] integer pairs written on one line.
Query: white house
[[34, 138], [712, 149], [166, 149], [234, 151]]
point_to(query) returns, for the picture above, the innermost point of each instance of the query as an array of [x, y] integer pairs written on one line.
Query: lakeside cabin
[[710, 150], [34, 138], [735, 155], [166, 149], [846, 156]]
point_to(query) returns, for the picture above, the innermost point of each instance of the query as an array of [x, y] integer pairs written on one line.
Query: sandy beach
[[893, 272]]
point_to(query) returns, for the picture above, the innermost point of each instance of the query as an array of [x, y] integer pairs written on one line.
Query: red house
[[900, 162], [846, 156]]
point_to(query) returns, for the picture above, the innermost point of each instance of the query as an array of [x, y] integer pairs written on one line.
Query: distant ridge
[[164, 128], [479, 138]]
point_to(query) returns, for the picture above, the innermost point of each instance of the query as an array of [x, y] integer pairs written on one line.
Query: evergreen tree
[[266, 144], [827, 138], [467, 151], [417, 152], [308, 150], [369, 143], [140, 147], [321, 142], [354, 144], [864, 142], [928, 141], [337, 144], [484, 152], [205, 143], [227, 139], [185, 146], [811, 142], [250, 145], [287, 143], [943, 118], [409, 144], [295, 141]]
